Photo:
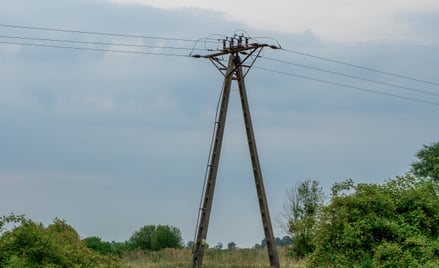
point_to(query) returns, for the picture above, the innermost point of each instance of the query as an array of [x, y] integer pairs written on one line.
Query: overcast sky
[[113, 141]]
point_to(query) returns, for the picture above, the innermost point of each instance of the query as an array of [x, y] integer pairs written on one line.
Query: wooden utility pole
[[235, 70]]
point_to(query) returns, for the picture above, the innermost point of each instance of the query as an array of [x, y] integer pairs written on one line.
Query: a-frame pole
[[234, 71], [212, 169], [257, 173]]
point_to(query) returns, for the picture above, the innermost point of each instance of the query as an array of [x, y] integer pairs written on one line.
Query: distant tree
[[427, 165], [231, 246], [141, 239], [97, 245], [300, 213], [263, 243], [118, 248], [219, 246], [166, 236], [190, 244], [151, 237], [257, 246], [286, 241]]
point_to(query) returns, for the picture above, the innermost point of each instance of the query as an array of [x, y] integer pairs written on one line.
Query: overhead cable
[[94, 49], [348, 86], [352, 76], [96, 43], [99, 33], [361, 67]]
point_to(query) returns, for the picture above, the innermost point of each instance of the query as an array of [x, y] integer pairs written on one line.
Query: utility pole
[[236, 69]]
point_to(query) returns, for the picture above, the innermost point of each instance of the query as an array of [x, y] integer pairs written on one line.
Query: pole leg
[[212, 169], [263, 205]]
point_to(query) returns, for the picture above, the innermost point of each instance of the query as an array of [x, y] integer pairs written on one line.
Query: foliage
[[190, 244], [301, 211], [231, 245], [97, 245], [427, 165], [279, 242], [151, 237], [30, 244], [370, 225]]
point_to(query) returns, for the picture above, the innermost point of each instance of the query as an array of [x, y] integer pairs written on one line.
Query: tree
[[141, 239], [427, 165], [286, 241], [166, 236], [231, 245], [219, 246], [300, 214], [151, 237], [97, 245], [190, 244]]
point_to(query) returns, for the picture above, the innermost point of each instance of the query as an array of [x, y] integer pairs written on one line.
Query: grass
[[182, 258]]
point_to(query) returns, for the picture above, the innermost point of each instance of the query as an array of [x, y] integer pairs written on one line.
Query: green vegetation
[[395, 224], [390, 225], [151, 237], [304, 201], [30, 244]]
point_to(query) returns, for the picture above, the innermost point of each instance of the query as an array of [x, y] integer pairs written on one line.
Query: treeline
[[31, 244]]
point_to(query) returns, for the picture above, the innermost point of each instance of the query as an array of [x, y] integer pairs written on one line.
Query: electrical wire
[[94, 49], [98, 33], [348, 86], [216, 42], [351, 76], [96, 43], [191, 49], [361, 67]]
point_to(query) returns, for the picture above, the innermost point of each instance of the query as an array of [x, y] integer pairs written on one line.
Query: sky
[[111, 142]]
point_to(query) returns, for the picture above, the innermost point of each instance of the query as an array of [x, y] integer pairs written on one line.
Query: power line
[[182, 55], [352, 76], [209, 40], [361, 67], [96, 43], [348, 86], [101, 33], [94, 49]]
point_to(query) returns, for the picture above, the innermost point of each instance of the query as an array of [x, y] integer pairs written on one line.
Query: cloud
[[339, 21]]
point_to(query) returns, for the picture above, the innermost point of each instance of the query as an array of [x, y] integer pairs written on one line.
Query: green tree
[[151, 237], [166, 236], [427, 165], [97, 245], [300, 213], [190, 244], [231, 245], [286, 241], [141, 239]]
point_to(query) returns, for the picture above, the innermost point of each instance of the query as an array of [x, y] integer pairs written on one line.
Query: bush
[[390, 225], [30, 244]]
